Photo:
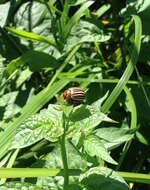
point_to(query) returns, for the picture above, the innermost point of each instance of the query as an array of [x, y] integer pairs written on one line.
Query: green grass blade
[[35, 172], [64, 16], [51, 5], [30, 36], [133, 125], [102, 10], [27, 172], [39, 172], [10, 164], [64, 64], [74, 19], [135, 177], [93, 80], [130, 68]]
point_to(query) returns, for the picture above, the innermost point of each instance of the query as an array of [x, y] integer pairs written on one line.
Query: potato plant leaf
[[103, 178], [8, 106], [114, 136], [94, 147], [88, 30], [19, 185], [85, 118], [47, 124], [4, 13], [39, 22], [53, 160]]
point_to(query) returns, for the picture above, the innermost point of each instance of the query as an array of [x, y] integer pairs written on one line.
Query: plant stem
[[64, 153], [65, 163]]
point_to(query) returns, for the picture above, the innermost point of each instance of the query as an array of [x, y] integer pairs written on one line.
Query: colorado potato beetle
[[74, 95]]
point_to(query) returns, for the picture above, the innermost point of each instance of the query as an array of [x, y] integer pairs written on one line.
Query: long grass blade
[[74, 19], [130, 68], [102, 10], [133, 125], [30, 36]]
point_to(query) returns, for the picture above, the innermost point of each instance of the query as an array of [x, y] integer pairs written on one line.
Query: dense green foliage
[[47, 46]]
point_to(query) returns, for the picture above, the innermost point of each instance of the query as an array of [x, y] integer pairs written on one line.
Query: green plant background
[[49, 46]]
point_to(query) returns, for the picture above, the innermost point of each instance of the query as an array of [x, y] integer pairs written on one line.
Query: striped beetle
[[74, 95]]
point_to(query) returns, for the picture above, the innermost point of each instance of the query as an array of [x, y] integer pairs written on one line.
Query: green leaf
[[74, 158], [142, 9], [64, 17], [141, 102], [25, 75], [114, 136], [19, 185], [10, 164], [100, 101], [85, 118], [76, 2], [136, 7], [29, 109], [2, 70], [94, 147], [38, 18], [36, 61], [5, 159], [141, 138], [8, 107], [54, 160], [88, 30], [35, 104], [4, 13], [30, 36], [75, 18], [28, 132], [33, 16], [133, 124], [130, 103], [102, 178], [102, 10], [47, 124], [74, 187]]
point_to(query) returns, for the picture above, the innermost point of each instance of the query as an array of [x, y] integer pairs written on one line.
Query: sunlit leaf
[[94, 147], [4, 13], [47, 124], [114, 136], [103, 178], [88, 30], [19, 185]]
